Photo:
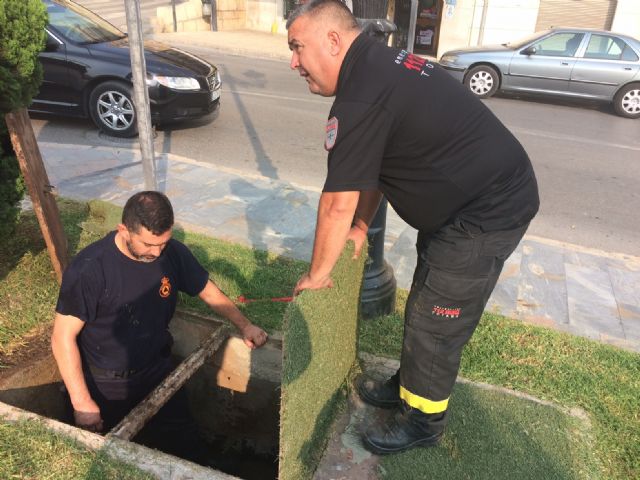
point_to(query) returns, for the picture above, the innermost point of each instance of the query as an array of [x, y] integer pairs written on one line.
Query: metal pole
[[214, 16], [175, 20], [378, 295], [379, 285], [483, 22], [413, 20], [140, 92]]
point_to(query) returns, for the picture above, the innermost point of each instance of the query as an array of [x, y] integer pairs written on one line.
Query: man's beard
[[137, 256]]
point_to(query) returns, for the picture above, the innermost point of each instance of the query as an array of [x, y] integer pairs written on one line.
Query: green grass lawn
[[495, 435], [571, 371], [31, 451], [568, 370]]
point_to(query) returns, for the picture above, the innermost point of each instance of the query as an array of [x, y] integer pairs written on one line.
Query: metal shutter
[[576, 13]]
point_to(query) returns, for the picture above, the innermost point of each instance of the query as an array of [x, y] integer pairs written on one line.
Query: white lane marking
[[572, 138], [277, 97]]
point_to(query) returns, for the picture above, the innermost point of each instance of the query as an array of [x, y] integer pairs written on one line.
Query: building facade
[[442, 25]]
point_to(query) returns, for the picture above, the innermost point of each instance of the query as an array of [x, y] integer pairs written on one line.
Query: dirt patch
[[32, 349]]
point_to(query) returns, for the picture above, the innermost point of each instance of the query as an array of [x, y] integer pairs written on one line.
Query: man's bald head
[[332, 10]]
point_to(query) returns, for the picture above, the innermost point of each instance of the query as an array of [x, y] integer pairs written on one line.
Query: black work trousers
[[172, 430], [458, 267]]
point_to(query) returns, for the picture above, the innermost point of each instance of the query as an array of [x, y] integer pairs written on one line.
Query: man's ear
[[335, 42], [123, 231]]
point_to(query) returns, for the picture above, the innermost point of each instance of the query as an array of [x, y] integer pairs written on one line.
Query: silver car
[[569, 62]]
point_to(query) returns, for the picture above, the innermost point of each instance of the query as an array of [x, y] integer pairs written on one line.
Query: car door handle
[[564, 63], [627, 68]]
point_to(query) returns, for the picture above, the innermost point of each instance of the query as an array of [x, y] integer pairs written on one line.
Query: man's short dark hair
[[315, 7], [151, 210]]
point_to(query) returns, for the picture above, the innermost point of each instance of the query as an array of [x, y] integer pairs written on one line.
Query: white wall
[[266, 16], [627, 18], [506, 20]]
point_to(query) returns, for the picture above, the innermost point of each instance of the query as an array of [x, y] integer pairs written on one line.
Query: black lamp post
[[379, 285]]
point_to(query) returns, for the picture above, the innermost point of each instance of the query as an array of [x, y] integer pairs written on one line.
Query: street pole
[[173, 11], [214, 16], [413, 19], [379, 285], [378, 295], [141, 92]]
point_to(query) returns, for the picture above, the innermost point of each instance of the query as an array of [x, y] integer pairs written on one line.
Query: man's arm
[[221, 304], [335, 214], [67, 354], [365, 211]]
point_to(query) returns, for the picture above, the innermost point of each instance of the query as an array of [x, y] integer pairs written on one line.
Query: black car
[[87, 73]]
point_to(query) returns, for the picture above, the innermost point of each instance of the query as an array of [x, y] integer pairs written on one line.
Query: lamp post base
[[378, 293], [379, 285]]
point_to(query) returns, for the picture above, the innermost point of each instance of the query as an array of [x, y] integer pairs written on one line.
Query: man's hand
[[87, 416], [308, 283], [358, 236], [254, 336]]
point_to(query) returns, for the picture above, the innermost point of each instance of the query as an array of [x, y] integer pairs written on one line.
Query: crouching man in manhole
[[402, 127], [110, 337]]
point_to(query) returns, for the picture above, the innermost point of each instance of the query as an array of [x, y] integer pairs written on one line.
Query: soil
[[33, 349]]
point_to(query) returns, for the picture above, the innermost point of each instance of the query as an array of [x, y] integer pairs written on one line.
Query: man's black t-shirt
[[404, 126], [126, 304]]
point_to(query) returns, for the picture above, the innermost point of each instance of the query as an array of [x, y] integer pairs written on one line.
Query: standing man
[[110, 336], [402, 127]]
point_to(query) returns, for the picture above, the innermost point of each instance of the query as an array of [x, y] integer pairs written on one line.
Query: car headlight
[[176, 83], [449, 59]]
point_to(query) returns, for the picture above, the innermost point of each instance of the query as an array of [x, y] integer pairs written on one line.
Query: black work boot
[[407, 428], [381, 394]]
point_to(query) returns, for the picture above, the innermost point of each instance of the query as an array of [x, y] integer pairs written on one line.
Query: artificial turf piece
[[319, 351]]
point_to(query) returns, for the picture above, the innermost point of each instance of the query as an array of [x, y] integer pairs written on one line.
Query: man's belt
[[104, 373], [165, 352]]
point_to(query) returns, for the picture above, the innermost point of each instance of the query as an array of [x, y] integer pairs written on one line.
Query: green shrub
[[22, 37]]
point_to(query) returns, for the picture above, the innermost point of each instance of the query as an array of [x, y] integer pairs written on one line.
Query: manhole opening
[[234, 398]]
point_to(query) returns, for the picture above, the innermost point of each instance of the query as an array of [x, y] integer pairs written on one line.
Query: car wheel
[[483, 81], [111, 108], [627, 101]]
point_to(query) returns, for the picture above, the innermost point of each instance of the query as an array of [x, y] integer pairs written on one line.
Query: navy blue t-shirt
[[126, 304], [405, 126]]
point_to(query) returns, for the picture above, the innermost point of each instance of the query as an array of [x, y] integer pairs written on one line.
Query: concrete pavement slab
[[504, 299], [236, 42], [593, 311], [542, 291]]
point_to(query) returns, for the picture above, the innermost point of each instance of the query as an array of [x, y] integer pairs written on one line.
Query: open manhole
[[266, 413], [234, 397]]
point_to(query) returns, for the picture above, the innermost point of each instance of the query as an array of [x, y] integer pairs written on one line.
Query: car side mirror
[[529, 51]]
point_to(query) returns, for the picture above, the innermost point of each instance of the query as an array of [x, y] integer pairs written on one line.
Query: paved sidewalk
[[569, 288], [237, 42]]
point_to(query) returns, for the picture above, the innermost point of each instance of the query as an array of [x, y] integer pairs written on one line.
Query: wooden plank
[[145, 410], [35, 176]]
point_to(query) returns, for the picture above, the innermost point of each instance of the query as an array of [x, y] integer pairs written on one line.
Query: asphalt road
[[587, 160]]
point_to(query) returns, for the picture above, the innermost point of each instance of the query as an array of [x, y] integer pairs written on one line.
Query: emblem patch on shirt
[[165, 287], [447, 312], [332, 133]]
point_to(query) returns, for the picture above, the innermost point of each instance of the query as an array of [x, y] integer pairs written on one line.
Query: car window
[[525, 41], [559, 45], [606, 47], [80, 25]]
